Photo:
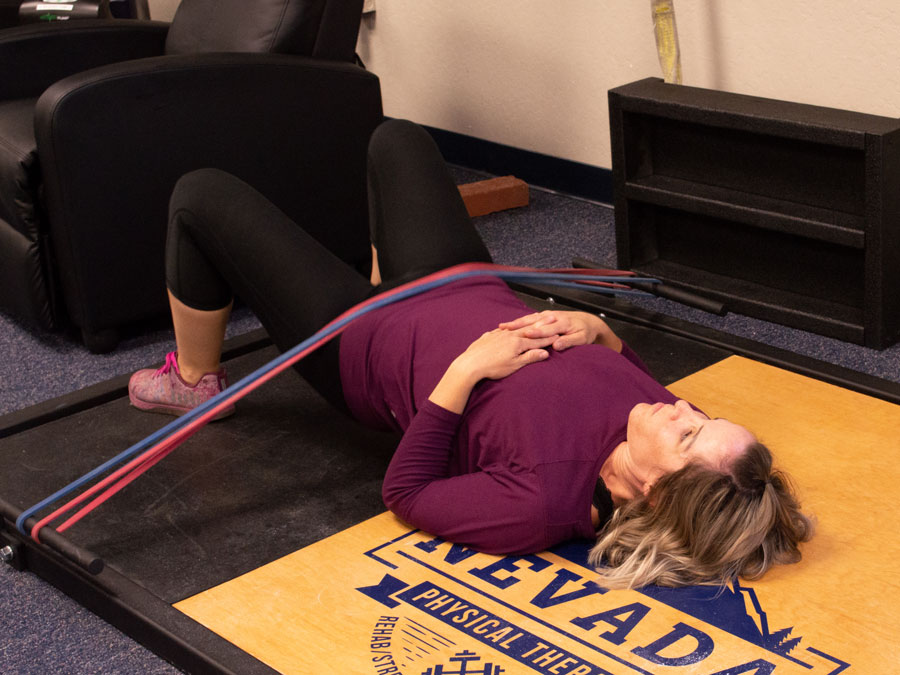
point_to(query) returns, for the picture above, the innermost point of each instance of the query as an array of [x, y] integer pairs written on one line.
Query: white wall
[[162, 10], [534, 73]]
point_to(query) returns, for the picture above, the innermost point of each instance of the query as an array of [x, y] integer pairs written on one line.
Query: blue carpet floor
[[42, 631]]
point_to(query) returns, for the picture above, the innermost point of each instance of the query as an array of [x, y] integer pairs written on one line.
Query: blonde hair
[[702, 526]]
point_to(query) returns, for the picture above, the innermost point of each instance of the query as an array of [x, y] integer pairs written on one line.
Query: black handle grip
[[81, 557], [667, 291], [59, 543], [683, 296]]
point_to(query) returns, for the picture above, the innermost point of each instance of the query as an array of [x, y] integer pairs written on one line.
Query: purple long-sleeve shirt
[[516, 471]]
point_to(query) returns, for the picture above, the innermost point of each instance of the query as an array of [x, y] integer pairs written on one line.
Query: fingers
[[534, 351], [499, 353], [539, 342], [500, 343], [542, 324], [527, 320], [567, 328], [563, 343], [521, 340], [533, 356]]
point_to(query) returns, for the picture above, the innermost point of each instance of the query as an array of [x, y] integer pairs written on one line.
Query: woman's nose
[[682, 406]]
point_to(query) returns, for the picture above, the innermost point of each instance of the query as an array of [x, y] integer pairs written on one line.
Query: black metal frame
[[127, 606], [145, 618]]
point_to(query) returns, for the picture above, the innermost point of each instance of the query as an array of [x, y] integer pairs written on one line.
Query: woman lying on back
[[520, 430]]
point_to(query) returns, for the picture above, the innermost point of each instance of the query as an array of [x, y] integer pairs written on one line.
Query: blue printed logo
[[455, 611], [465, 665]]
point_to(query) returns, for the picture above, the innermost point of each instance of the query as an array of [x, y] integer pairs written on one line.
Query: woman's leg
[[419, 223], [226, 239], [199, 337]]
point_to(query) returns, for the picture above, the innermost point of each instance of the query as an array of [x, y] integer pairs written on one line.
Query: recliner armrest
[[33, 57]]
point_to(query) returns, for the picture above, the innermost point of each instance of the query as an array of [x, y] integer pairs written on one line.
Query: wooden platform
[[380, 598]]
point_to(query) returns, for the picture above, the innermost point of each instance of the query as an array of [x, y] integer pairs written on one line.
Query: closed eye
[[692, 434]]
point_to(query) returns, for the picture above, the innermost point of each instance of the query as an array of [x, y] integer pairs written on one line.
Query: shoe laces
[[171, 362]]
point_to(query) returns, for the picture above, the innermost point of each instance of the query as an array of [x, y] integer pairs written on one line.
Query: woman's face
[[663, 438]]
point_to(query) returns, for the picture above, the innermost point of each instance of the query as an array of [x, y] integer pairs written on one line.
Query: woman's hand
[[499, 353], [569, 328], [493, 356]]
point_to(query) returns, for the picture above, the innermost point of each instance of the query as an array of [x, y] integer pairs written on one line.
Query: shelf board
[[786, 119], [843, 229], [772, 304]]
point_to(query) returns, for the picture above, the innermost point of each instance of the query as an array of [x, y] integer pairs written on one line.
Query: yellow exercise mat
[[382, 599]]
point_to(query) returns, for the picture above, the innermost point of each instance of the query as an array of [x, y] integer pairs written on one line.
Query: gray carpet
[[42, 631]]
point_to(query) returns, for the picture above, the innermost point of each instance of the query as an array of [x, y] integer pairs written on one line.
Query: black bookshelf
[[782, 211]]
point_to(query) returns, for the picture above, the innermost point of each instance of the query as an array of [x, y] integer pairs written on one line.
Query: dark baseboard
[[553, 173]]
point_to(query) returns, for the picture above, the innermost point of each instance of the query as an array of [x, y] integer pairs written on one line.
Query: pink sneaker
[[163, 390]]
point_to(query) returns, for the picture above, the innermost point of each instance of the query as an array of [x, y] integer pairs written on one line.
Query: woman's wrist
[[453, 390], [604, 335]]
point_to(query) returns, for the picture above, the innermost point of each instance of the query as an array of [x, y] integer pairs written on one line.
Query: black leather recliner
[[99, 119]]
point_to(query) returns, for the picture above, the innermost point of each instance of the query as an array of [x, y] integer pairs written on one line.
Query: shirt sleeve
[[494, 511]]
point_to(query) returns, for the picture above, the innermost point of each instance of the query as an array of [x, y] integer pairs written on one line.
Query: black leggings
[[226, 239]]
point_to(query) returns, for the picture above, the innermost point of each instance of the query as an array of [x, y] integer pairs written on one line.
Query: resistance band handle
[[59, 543], [683, 296], [72, 551], [679, 295]]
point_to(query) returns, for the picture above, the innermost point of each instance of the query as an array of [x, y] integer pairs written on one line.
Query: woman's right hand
[[494, 355], [500, 352]]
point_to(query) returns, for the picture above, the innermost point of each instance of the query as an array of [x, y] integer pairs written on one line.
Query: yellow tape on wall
[[667, 40]]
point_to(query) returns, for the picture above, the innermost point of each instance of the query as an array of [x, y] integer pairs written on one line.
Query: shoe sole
[[176, 411]]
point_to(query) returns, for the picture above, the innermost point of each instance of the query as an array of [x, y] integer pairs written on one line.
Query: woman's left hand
[[572, 328]]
